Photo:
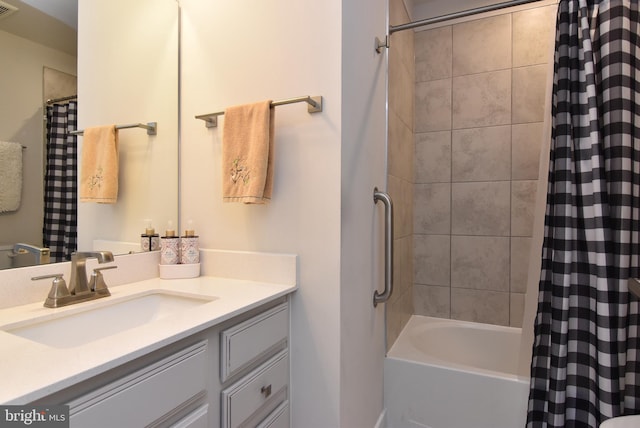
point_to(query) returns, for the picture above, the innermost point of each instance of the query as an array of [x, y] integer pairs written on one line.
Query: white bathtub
[[453, 374]]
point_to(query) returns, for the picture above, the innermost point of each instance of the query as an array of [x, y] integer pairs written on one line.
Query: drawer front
[[246, 342], [196, 419], [257, 394], [145, 395], [279, 418]]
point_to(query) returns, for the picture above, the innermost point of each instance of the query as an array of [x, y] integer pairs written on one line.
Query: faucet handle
[[97, 284], [57, 292]]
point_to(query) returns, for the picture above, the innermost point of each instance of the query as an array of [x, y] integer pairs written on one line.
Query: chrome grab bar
[[388, 247]]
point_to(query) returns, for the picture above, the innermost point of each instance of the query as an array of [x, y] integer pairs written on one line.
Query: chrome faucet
[[78, 283], [42, 255], [79, 289]]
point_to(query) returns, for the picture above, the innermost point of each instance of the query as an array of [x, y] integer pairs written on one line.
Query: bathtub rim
[[406, 352]]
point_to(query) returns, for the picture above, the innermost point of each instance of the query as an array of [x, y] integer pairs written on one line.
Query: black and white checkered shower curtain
[[60, 182], [586, 355]]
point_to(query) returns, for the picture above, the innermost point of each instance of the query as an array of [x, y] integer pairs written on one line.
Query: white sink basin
[[632, 421], [93, 322]]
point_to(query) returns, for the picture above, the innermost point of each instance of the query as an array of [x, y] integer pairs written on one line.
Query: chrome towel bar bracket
[[388, 247]]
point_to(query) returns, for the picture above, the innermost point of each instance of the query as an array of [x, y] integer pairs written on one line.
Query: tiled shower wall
[[480, 91], [400, 168]]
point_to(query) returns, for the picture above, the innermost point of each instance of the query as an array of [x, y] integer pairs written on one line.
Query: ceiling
[[52, 23], [62, 10]]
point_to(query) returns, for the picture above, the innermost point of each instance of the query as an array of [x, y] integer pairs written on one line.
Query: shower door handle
[[388, 247]]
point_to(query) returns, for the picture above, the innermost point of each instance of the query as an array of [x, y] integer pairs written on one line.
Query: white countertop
[[30, 370]]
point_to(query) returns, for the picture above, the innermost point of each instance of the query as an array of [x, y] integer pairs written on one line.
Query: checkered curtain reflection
[[586, 365], [60, 182]]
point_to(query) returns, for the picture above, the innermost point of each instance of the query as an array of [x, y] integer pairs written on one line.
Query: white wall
[[240, 51], [128, 73], [326, 165], [21, 120], [363, 164]]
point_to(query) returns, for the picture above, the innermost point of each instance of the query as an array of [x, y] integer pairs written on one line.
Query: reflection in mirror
[[128, 73], [124, 76], [39, 61]]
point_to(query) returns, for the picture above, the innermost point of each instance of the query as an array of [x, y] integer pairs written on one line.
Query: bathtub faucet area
[[42, 255]]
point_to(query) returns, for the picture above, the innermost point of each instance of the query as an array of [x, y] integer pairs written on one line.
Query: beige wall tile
[[516, 309], [481, 154], [480, 208], [490, 307], [523, 198], [432, 208], [400, 168], [482, 99], [526, 140], [403, 261], [401, 193], [433, 106], [482, 45], [432, 301], [433, 54], [533, 34], [529, 93], [397, 12], [401, 92], [402, 40], [478, 125], [520, 249], [399, 310], [433, 157], [400, 148], [432, 255], [480, 262]]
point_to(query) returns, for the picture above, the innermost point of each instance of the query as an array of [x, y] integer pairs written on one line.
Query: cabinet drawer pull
[[266, 391]]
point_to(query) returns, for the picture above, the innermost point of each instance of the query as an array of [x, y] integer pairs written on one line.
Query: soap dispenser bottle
[[149, 240], [154, 239], [169, 247], [189, 248]]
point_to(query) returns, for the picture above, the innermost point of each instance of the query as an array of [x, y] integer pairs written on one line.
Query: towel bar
[[151, 127], [314, 106]]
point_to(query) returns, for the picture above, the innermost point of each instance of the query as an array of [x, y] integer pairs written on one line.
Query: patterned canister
[[189, 248], [145, 242], [169, 248], [154, 242]]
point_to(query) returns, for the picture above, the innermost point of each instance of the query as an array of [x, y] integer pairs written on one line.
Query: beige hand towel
[[247, 153], [99, 165], [10, 176]]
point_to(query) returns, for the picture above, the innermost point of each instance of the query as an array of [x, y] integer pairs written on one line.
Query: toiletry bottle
[[145, 241], [154, 240], [145, 238], [189, 249], [169, 247]]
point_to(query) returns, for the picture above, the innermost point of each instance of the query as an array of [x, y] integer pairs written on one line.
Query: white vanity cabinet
[[234, 374], [142, 397], [254, 369]]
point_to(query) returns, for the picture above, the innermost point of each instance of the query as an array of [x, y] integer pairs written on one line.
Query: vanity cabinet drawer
[[145, 395], [279, 418], [247, 342], [196, 419], [254, 397]]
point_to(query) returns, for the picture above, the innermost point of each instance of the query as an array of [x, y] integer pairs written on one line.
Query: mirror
[[127, 72]]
